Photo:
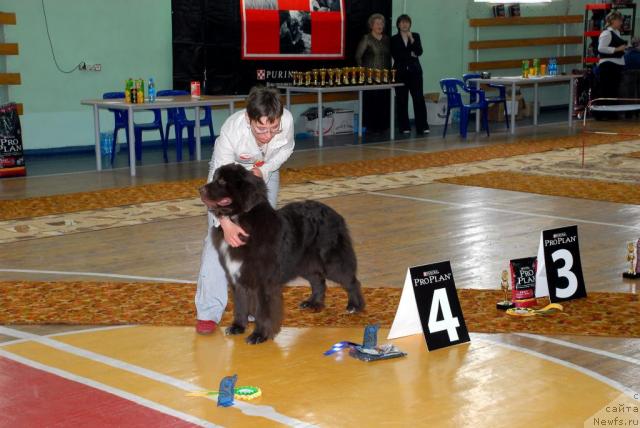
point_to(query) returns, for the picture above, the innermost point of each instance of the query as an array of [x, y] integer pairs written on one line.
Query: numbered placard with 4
[[429, 305]]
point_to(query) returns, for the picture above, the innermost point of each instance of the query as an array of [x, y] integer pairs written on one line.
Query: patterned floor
[[113, 303], [609, 163]]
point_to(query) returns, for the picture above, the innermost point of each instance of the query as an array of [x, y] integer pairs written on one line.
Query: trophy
[[338, 76], [369, 75], [378, 75], [393, 75], [354, 76], [330, 73], [385, 76], [345, 75], [632, 272], [315, 77], [307, 79], [363, 78], [504, 285], [323, 76]]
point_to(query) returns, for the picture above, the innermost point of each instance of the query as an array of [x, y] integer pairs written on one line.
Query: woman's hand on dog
[[234, 235]]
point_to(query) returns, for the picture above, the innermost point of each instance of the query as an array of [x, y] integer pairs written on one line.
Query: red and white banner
[[292, 29]]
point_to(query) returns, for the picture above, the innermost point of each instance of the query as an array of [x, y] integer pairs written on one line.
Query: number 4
[[448, 322]]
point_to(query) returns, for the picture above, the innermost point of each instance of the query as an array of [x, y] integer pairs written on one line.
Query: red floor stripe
[[34, 398]]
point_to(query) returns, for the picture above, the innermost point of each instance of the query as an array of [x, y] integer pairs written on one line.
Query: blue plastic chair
[[454, 100], [500, 99], [121, 121], [177, 118]]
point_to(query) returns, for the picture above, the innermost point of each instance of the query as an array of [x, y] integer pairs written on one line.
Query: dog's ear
[[254, 191]]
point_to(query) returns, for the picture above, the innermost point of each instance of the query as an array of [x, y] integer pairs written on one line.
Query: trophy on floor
[[307, 80], [504, 285], [330, 72], [338, 76], [354, 75], [362, 77], [345, 75], [393, 75], [323, 76], [632, 258], [369, 75], [378, 75], [385, 76], [315, 77]]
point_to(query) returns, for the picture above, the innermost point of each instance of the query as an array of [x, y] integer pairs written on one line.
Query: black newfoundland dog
[[306, 239]]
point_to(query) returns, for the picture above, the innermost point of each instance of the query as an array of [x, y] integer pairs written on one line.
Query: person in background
[[374, 51], [611, 47], [260, 138], [406, 49], [632, 55]]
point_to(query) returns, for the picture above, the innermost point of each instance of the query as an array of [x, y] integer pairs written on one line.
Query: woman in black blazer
[[405, 50]]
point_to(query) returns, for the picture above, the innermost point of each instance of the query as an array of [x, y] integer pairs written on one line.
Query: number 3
[[448, 322], [565, 272]]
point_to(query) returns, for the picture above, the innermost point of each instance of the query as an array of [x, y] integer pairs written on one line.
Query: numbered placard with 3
[[559, 273]]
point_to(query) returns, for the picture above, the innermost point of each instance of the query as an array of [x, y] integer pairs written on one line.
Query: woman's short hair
[[263, 102], [401, 18], [375, 17], [612, 16]]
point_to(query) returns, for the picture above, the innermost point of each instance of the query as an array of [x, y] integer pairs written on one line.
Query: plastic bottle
[[151, 90], [127, 90], [140, 91]]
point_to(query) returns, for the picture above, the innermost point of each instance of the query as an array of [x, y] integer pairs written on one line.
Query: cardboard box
[[335, 121], [434, 97], [437, 110], [497, 113], [528, 109]]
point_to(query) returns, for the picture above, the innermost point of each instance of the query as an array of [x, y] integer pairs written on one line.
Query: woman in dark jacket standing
[[373, 51], [611, 47], [406, 49]]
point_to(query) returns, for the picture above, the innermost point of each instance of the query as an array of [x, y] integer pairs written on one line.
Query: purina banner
[[292, 29], [209, 43]]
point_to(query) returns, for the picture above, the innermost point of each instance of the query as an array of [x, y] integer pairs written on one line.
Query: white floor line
[[502, 210], [70, 332], [102, 275], [571, 345], [395, 149], [267, 412], [604, 379], [109, 389]]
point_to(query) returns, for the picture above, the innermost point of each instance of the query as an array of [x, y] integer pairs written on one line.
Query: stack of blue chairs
[[176, 117]]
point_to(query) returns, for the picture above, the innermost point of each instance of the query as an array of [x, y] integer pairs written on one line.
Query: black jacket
[[403, 61]]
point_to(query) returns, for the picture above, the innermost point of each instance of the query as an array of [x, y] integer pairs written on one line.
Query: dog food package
[[523, 280], [11, 154]]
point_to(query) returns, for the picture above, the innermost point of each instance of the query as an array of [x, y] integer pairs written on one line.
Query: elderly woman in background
[[374, 51]]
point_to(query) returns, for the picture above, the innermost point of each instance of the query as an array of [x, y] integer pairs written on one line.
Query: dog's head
[[233, 191]]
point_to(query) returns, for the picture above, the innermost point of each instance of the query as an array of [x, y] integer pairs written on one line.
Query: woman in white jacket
[[260, 138]]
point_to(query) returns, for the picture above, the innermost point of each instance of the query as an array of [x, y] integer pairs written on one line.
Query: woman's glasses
[[266, 130]]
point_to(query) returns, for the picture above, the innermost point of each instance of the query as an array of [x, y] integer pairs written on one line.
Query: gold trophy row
[[344, 76]]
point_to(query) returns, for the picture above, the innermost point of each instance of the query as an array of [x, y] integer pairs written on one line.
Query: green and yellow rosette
[[245, 393]]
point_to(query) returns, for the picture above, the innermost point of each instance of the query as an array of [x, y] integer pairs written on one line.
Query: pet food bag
[[11, 153], [523, 280]]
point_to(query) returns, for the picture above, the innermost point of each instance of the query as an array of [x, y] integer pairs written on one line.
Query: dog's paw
[[234, 329], [255, 338], [314, 306]]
